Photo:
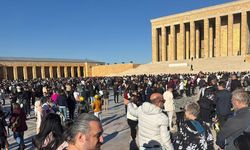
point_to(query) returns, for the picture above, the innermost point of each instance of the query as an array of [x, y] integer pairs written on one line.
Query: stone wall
[[106, 70]]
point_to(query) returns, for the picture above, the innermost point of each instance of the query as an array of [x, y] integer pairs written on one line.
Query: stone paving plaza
[[116, 131]]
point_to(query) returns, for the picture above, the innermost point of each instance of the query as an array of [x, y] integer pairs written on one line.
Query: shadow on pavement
[[113, 119], [118, 105], [108, 118], [27, 142], [110, 137]]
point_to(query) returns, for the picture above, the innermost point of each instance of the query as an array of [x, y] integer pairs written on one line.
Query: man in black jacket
[[223, 103], [238, 123]]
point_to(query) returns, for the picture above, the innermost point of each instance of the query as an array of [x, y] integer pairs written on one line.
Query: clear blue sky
[[104, 30]]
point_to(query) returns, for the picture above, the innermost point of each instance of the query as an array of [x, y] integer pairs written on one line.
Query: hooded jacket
[[153, 126]]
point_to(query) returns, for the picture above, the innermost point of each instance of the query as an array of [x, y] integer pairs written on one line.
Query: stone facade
[[105, 70], [31, 68], [216, 31]]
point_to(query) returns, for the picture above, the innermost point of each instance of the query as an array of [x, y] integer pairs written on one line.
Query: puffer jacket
[[153, 126]]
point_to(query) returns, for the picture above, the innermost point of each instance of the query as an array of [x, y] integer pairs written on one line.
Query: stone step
[[231, 63]]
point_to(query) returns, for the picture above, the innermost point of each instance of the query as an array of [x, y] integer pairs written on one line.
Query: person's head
[[51, 125], [16, 108], [213, 81], [134, 99], [86, 133], [222, 85], [157, 99], [240, 99], [192, 111], [97, 97], [170, 88], [234, 77]]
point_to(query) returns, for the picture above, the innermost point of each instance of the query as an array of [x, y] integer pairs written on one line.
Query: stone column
[[187, 45], [78, 71], [43, 71], [217, 36], [34, 72], [154, 45], [181, 53], [72, 71], [58, 71], [163, 42], [211, 41], [244, 33], [5, 72], [86, 72], [172, 43], [230, 35], [197, 41], [51, 71], [25, 73], [66, 71], [206, 37], [15, 72], [192, 39]]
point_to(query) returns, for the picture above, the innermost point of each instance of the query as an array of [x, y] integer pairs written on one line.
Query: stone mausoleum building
[[13, 68], [217, 31]]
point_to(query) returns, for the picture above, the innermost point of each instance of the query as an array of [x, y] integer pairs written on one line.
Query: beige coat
[[169, 101]]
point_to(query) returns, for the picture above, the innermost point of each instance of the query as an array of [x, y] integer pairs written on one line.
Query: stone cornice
[[211, 11]]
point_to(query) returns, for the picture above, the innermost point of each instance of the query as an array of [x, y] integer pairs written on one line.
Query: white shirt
[[131, 117]]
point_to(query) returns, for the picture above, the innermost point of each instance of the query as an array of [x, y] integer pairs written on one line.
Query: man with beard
[[86, 133]]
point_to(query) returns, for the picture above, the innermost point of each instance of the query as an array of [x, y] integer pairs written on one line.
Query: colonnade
[[32, 72], [217, 36]]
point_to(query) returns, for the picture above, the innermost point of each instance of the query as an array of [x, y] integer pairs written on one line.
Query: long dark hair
[[51, 125]]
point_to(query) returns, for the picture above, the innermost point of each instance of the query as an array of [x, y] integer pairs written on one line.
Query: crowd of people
[[69, 110]]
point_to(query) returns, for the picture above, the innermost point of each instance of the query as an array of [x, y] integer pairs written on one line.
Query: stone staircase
[[231, 63]]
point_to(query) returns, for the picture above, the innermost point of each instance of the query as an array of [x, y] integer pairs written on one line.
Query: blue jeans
[[19, 138], [63, 110], [91, 99]]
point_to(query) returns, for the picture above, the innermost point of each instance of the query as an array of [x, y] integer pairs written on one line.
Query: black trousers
[[71, 113], [132, 124], [116, 97]]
